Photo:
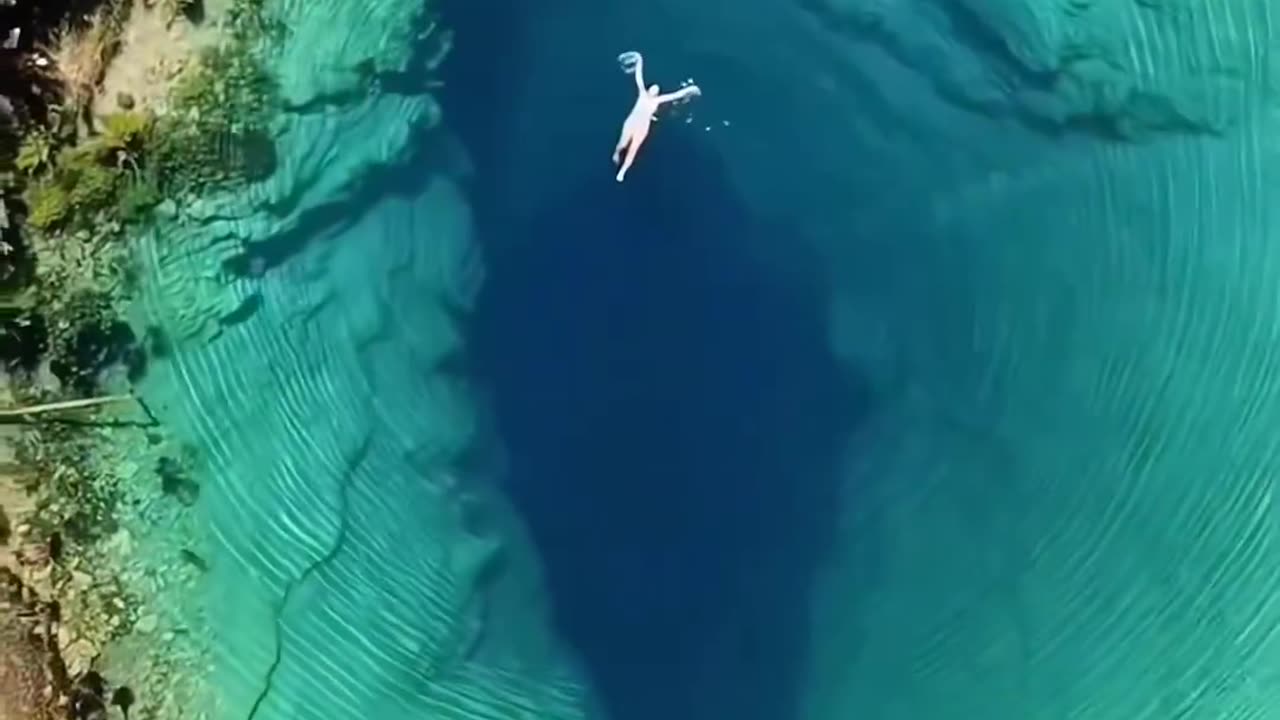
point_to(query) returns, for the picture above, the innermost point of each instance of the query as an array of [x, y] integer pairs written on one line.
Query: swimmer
[[636, 127]]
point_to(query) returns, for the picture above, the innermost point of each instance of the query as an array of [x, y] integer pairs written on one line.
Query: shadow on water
[[672, 413]]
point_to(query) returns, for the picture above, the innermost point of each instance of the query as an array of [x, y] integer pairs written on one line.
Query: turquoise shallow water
[[896, 383], [345, 579], [348, 575]]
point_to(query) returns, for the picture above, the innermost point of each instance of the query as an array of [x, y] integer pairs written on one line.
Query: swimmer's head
[[654, 89]]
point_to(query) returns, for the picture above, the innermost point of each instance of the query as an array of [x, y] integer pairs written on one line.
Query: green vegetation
[[35, 154], [80, 194], [83, 184], [76, 189], [86, 183]]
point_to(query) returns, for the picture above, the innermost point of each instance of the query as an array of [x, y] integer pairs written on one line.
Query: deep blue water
[[671, 410]]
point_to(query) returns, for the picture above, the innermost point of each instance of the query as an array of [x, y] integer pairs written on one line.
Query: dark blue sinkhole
[[671, 410]]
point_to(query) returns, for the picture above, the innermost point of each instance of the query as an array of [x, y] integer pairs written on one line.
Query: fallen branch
[[64, 405]]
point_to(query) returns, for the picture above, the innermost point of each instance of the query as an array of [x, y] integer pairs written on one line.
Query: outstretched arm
[[639, 71], [680, 94]]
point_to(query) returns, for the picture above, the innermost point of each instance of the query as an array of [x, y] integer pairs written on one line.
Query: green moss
[[49, 205], [76, 156], [92, 188], [35, 154], [126, 132]]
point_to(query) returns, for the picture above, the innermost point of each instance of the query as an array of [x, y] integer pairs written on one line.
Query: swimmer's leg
[[632, 149], [622, 145]]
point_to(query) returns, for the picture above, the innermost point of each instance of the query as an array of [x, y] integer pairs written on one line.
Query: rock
[[79, 656], [121, 543], [81, 580], [147, 624], [40, 574], [124, 100]]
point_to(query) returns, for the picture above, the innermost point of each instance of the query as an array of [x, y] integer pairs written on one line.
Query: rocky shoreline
[[34, 679], [128, 124], [108, 109]]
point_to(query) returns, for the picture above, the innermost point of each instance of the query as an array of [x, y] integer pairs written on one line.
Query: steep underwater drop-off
[[357, 563]]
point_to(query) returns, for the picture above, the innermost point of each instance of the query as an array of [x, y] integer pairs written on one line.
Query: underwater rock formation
[[351, 572], [1109, 68]]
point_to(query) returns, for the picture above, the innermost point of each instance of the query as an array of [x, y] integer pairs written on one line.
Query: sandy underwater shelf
[[344, 579]]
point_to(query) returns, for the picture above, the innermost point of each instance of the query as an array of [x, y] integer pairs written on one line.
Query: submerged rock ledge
[[1114, 69], [175, 632]]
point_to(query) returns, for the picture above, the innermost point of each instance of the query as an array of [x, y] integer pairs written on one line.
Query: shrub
[[35, 154], [76, 156], [91, 188], [140, 194], [126, 132], [75, 190], [49, 205]]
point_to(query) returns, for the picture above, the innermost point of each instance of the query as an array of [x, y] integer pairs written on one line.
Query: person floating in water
[[635, 129]]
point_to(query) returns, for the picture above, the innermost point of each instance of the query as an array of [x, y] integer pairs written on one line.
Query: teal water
[[925, 372]]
